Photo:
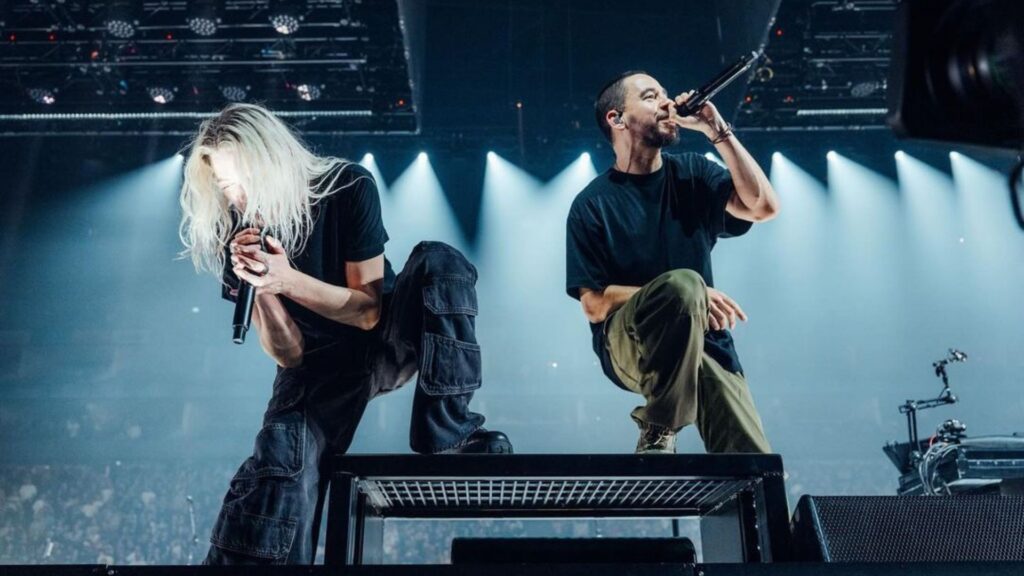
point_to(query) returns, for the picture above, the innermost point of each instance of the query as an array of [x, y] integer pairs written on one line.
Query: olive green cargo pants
[[656, 343]]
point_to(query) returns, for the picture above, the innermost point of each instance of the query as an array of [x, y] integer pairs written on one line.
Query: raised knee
[[683, 284], [440, 259]]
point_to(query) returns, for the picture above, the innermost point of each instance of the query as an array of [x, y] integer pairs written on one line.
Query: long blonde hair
[[283, 181]]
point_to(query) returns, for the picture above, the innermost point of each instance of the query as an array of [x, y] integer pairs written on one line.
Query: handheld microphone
[[707, 91], [245, 302]]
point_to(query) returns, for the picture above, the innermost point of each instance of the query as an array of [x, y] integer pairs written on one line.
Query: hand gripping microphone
[[707, 91], [244, 302]]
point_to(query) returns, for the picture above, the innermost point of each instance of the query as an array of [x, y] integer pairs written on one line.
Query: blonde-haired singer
[[342, 327]]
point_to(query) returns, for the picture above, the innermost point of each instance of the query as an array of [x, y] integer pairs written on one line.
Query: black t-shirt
[[627, 229], [347, 227]]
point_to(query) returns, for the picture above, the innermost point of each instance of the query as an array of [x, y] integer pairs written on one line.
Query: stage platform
[[728, 569], [740, 499]]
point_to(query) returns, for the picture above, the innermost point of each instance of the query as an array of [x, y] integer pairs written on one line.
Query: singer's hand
[[270, 272], [245, 237], [723, 311], [707, 120]]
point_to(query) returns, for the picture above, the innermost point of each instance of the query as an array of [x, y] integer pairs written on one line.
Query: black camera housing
[[957, 72]]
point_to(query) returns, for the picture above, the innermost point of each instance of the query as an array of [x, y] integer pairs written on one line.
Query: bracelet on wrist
[[723, 134]]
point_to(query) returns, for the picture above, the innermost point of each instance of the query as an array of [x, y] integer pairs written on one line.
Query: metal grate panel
[[400, 496]]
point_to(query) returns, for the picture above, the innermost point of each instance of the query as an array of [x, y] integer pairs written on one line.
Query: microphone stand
[[911, 407], [192, 523]]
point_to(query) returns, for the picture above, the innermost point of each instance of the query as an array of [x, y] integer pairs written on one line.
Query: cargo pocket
[[264, 539], [449, 366], [280, 447], [451, 294]]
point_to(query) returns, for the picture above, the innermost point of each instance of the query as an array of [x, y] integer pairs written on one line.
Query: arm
[[357, 306], [754, 199], [723, 311], [280, 337], [599, 304]]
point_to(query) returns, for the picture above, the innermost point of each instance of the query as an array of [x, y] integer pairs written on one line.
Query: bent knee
[[440, 259], [684, 285]]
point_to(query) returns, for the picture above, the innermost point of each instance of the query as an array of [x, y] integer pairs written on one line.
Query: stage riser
[[791, 569]]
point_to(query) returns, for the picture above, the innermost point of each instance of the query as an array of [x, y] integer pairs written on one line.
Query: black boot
[[483, 441]]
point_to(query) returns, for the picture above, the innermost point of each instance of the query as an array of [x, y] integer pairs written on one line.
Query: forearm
[[280, 336], [753, 188], [597, 306], [338, 303]]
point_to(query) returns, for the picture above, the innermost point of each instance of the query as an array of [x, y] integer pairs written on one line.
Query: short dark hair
[[611, 97]]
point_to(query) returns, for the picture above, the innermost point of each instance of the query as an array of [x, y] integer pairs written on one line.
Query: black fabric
[[347, 228], [627, 229]]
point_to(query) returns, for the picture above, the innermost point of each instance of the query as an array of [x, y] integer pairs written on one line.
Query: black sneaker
[[655, 439], [483, 441]]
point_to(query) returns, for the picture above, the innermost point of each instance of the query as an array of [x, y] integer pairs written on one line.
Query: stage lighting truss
[[192, 56], [826, 67]]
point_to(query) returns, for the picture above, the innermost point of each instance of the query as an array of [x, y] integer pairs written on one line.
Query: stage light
[[234, 92], [42, 95], [308, 92], [120, 19], [367, 158], [161, 94], [831, 155], [285, 17], [865, 87], [284, 23], [585, 156], [899, 154], [202, 17], [422, 156], [775, 155]]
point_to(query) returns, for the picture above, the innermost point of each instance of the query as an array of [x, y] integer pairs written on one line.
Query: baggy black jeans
[[271, 513]]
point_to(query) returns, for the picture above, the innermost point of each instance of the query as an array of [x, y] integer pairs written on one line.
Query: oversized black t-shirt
[[627, 229], [347, 227]]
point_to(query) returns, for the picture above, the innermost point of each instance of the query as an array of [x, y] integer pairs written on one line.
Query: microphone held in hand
[[708, 91], [245, 302]]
